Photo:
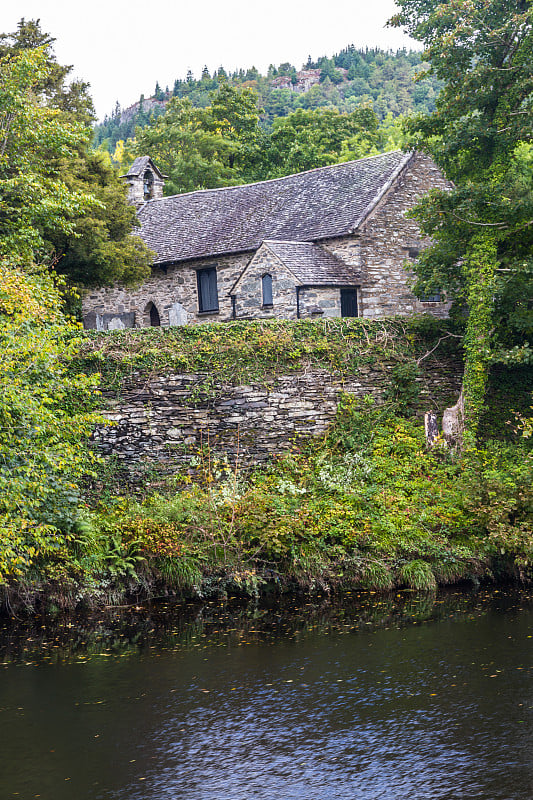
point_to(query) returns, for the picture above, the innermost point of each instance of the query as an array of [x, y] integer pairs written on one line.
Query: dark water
[[401, 697]]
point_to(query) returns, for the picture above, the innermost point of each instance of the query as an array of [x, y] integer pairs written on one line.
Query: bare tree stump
[[432, 428], [453, 423]]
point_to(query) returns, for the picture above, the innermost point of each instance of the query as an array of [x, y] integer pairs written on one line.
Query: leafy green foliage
[[204, 147], [223, 143], [44, 422], [72, 99], [101, 248], [44, 419], [499, 498], [368, 505], [479, 268], [258, 350], [59, 202], [33, 198], [314, 138], [480, 134]]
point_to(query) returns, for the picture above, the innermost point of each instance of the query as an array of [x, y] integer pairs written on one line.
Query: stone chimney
[[145, 181]]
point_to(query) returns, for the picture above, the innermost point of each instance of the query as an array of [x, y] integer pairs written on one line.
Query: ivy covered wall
[[248, 391]]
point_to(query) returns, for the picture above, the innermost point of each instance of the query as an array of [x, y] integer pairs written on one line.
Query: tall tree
[[43, 422], [235, 113], [184, 144], [314, 138], [72, 98], [89, 240], [33, 139], [102, 249], [481, 135], [202, 148]]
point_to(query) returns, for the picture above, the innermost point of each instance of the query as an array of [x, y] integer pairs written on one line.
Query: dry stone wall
[[162, 421]]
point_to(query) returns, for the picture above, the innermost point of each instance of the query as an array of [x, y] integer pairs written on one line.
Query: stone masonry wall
[[325, 298], [249, 290], [136, 189], [174, 293], [386, 239], [378, 253], [161, 421]]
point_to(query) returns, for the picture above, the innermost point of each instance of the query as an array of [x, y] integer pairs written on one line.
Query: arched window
[[266, 281], [151, 315], [148, 185]]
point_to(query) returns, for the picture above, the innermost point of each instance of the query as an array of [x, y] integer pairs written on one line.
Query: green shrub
[[418, 574]]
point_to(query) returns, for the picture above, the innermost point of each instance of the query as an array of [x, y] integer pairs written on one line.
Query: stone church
[[330, 242]]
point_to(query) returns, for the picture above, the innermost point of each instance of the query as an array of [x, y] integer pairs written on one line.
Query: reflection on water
[[378, 697]]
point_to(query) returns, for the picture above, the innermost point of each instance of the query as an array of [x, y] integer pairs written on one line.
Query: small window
[[207, 289], [349, 303], [266, 281], [431, 298], [413, 252]]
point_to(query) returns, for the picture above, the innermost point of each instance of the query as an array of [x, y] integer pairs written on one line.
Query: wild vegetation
[[368, 504], [63, 204], [481, 135]]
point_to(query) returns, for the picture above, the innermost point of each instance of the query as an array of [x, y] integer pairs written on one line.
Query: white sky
[[121, 47]]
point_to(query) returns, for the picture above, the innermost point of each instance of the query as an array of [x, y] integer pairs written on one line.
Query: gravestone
[[177, 314]]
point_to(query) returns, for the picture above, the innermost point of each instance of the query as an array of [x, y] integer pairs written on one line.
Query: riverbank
[[359, 503], [365, 506]]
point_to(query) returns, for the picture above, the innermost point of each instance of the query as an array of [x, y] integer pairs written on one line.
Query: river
[[400, 696]]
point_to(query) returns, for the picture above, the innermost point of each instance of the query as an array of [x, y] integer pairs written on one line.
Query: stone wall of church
[[173, 291], [386, 239], [287, 301], [379, 253], [249, 290], [136, 189], [320, 301]]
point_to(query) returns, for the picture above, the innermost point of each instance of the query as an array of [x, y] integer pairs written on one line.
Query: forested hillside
[[383, 81], [224, 130]]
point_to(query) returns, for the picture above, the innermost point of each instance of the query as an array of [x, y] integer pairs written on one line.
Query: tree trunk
[[453, 423]]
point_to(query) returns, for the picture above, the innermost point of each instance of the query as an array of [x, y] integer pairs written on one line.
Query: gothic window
[[207, 289], [266, 282], [148, 185], [152, 315]]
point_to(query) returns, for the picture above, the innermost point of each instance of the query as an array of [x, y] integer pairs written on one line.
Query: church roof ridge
[[320, 203]]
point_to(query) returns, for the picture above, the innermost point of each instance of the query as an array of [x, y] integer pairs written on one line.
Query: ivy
[[479, 269], [258, 351]]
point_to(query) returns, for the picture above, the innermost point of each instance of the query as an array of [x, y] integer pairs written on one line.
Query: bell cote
[[145, 181]]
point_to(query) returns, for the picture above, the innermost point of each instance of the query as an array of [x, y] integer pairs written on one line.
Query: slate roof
[[139, 166], [312, 265], [318, 204]]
